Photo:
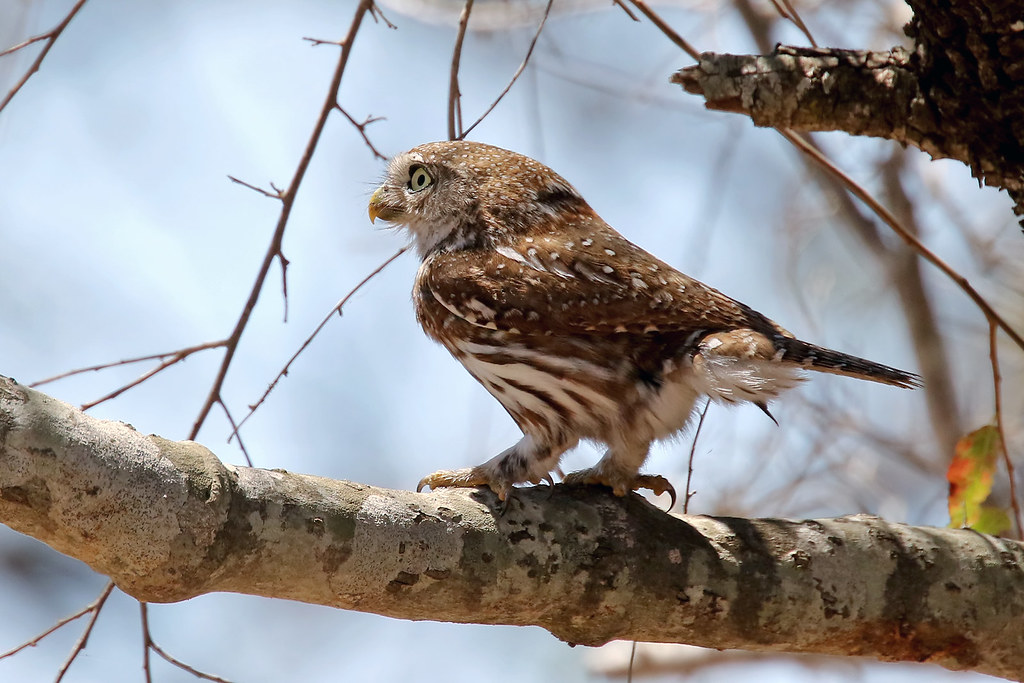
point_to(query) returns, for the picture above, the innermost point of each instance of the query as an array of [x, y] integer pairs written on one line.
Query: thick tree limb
[[168, 521], [816, 89], [958, 94]]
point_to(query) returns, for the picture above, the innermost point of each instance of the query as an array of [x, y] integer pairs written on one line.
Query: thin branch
[[284, 281], [361, 127], [317, 41], [666, 29], [128, 361], [454, 101], [787, 11], [516, 75], [234, 431], [173, 360], [902, 231], [378, 16], [337, 309], [151, 645], [276, 194], [629, 13], [24, 44], [93, 606], [693, 449], [287, 201], [993, 354], [50, 37], [170, 359], [80, 644]]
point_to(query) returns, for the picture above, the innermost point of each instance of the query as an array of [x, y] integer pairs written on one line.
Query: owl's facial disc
[[397, 198]]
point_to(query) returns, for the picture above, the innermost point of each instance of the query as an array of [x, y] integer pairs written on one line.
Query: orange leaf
[[970, 475]]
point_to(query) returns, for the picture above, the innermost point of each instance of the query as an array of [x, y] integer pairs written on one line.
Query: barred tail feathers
[[820, 359]]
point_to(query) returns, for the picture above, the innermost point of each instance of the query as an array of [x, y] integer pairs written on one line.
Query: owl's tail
[[821, 359]]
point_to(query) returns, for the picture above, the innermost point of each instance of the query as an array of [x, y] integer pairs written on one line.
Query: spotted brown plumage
[[579, 333]]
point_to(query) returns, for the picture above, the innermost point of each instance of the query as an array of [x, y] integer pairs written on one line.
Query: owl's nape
[[577, 332]]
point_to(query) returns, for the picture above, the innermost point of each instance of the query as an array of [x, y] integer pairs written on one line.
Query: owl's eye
[[419, 178]]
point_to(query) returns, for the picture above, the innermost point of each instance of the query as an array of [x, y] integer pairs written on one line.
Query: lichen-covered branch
[[168, 521], [816, 89], [956, 94]]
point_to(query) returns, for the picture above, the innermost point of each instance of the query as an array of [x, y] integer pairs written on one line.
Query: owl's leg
[[530, 460], [619, 471]]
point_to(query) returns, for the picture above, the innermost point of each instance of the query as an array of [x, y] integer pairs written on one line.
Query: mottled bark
[[957, 93], [168, 521]]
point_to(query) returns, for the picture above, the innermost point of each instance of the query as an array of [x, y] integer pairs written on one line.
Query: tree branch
[[957, 94], [814, 89], [168, 521]]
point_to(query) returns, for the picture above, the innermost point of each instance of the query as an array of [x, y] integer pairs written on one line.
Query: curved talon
[[467, 477], [657, 485], [622, 484], [551, 486], [505, 503]]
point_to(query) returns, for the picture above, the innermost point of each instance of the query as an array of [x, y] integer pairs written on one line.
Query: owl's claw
[[621, 483], [466, 477]]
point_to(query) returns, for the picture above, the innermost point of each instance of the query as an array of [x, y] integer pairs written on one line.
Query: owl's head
[[458, 195]]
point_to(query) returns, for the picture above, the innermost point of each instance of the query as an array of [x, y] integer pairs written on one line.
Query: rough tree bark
[[957, 94], [168, 521]]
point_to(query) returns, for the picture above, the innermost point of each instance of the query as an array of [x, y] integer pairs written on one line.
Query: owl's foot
[[527, 461], [469, 477], [622, 483], [466, 477]]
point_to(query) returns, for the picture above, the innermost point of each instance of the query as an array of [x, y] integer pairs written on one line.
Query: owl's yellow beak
[[379, 209]]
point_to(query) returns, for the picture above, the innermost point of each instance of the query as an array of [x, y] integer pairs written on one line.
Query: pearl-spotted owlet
[[578, 332]]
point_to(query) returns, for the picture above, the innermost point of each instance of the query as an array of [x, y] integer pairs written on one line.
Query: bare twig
[[151, 645], [689, 467], [284, 281], [666, 29], [454, 101], [287, 201], [993, 354], [276, 194], [317, 41], [515, 76], [786, 10], [175, 358], [990, 314], [24, 44], [629, 13], [50, 37], [337, 309], [184, 353], [361, 127], [378, 16], [95, 606], [234, 431], [169, 359]]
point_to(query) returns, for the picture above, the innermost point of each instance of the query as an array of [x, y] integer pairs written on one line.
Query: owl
[[575, 330]]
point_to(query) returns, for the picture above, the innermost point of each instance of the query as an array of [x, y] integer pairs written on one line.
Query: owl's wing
[[602, 283]]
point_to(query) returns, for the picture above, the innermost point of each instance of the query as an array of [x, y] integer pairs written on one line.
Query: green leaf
[[992, 520], [970, 477]]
